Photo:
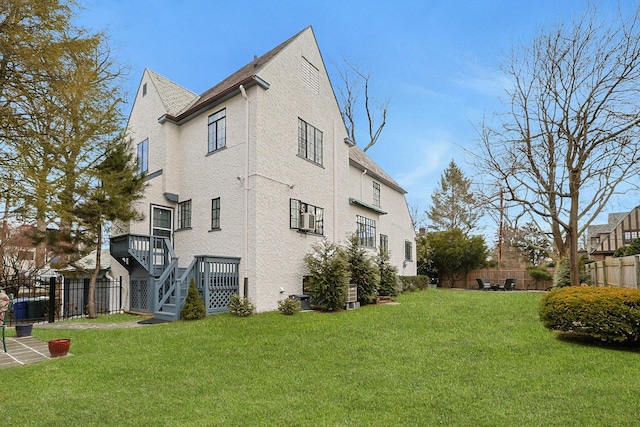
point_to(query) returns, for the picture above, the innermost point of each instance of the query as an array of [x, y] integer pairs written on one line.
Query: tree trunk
[[91, 298]]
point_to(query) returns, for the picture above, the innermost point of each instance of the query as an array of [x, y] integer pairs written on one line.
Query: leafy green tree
[[390, 284], [453, 204], [454, 253], [364, 271], [329, 276]]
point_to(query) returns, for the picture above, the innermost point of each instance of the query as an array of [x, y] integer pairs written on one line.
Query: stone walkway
[[27, 350], [23, 351]]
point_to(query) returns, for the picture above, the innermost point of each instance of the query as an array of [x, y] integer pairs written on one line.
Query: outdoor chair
[[510, 284], [483, 284], [5, 302]]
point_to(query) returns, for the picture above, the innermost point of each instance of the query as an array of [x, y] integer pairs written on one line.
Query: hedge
[[412, 283], [607, 314]]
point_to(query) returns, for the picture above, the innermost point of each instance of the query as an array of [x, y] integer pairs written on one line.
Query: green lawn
[[455, 358]]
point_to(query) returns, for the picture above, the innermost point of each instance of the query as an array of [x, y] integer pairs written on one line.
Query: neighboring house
[[244, 179], [19, 256], [621, 230], [83, 267]]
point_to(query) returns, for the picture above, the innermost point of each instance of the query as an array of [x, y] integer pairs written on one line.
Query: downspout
[[362, 184], [335, 183], [245, 290]]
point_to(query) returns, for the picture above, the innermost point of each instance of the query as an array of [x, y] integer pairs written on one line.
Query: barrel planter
[[59, 347], [24, 330]]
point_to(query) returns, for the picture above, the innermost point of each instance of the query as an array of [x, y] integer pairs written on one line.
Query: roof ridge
[[243, 74]]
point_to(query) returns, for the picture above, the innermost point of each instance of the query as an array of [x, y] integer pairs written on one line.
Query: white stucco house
[[244, 178]]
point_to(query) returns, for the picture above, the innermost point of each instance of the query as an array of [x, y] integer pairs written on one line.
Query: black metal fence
[[52, 299]]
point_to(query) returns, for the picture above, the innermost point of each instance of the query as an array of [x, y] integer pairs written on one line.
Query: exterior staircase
[[216, 277]]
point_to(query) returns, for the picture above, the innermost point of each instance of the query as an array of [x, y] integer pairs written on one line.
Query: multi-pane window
[[630, 236], [366, 231], [384, 242], [217, 131], [296, 211], [408, 250], [161, 222], [309, 142], [142, 158], [376, 194], [184, 214], [215, 214]]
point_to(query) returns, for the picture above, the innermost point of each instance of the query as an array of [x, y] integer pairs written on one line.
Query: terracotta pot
[[24, 330], [59, 347]]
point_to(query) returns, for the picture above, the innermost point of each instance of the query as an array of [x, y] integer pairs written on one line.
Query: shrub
[[289, 306], [538, 273], [412, 283], [328, 279], [364, 271], [389, 285], [241, 306], [193, 308], [606, 314]]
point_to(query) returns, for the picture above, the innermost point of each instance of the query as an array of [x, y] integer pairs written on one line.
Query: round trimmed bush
[[606, 314]]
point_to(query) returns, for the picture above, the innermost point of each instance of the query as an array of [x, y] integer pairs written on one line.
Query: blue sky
[[437, 61]]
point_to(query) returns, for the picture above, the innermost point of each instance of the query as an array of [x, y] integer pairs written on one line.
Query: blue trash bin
[[20, 308]]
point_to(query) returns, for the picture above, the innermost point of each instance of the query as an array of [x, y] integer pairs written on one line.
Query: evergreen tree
[[453, 203], [110, 197], [193, 308], [364, 271], [390, 284], [328, 276]]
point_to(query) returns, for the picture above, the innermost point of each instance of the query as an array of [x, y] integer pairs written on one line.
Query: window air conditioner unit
[[307, 221]]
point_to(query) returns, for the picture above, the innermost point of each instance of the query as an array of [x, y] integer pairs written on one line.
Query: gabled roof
[[359, 160], [613, 218], [173, 96], [246, 76]]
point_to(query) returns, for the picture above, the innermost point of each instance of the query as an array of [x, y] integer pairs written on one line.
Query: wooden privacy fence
[[623, 272], [523, 280]]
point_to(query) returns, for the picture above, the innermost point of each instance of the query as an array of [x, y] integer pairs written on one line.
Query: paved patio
[[26, 350], [23, 351]]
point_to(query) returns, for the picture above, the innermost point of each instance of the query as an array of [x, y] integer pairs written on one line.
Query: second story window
[[217, 131], [184, 214], [309, 142], [366, 231], [142, 157], [376, 194]]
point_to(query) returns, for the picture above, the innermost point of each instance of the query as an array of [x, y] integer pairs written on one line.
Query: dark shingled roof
[[360, 160], [246, 76]]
